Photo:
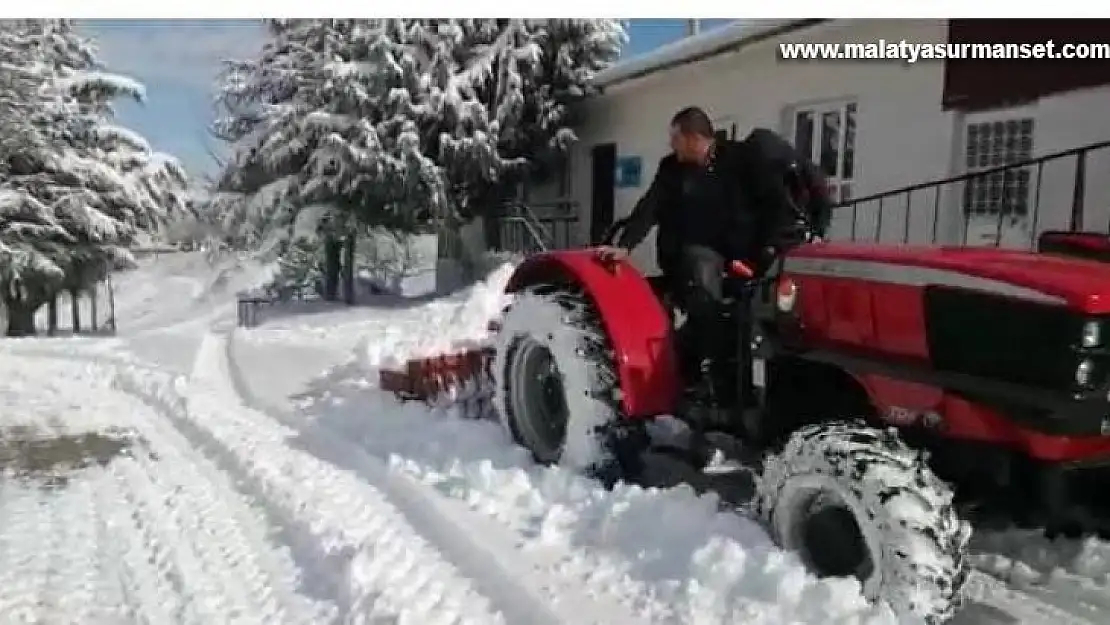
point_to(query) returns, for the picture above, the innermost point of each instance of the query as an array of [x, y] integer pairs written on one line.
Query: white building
[[874, 125]]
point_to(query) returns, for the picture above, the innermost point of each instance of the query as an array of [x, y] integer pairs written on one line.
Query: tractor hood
[[1077, 283]]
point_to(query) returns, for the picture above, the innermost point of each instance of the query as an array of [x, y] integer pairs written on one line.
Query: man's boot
[[702, 412]]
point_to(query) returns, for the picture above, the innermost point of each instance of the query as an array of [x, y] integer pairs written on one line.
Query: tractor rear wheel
[[856, 501], [555, 385]]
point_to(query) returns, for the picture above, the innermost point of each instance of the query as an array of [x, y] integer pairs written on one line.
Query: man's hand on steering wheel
[[611, 253]]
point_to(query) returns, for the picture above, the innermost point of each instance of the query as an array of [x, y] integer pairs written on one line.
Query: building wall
[[1061, 122], [1066, 121], [903, 136]]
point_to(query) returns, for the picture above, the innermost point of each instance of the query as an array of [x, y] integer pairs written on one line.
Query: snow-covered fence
[[90, 312], [249, 306], [154, 251]]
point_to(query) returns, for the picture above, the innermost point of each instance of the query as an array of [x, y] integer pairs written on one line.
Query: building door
[[996, 208], [603, 189]]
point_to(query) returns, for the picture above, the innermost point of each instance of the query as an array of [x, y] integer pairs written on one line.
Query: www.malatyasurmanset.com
[[910, 52]]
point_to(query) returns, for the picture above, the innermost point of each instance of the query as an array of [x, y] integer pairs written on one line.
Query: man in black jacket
[[715, 202]]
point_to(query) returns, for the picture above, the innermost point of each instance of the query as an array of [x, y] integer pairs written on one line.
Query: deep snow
[[267, 480]]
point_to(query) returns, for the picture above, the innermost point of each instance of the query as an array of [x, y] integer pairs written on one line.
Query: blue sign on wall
[[629, 171]]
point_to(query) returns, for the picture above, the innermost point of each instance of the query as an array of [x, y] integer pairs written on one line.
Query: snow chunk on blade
[[451, 367]]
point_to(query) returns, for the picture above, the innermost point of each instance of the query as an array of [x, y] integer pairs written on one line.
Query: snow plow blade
[[463, 379]]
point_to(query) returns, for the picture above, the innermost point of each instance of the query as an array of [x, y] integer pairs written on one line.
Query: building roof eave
[[698, 47]]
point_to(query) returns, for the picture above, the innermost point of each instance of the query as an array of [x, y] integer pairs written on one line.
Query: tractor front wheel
[[855, 501], [555, 385]]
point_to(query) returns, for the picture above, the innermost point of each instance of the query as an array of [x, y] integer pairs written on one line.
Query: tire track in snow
[[376, 566], [476, 543], [1021, 603], [135, 559], [74, 583], [1065, 600], [139, 540], [1015, 605], [23, 566], [1067, 595], [470, 541], [217, 551], [1063, 571]]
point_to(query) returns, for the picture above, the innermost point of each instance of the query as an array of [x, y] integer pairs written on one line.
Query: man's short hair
[[693, 120]]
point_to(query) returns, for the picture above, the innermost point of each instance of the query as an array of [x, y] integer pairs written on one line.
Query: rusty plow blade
[[460, 380]]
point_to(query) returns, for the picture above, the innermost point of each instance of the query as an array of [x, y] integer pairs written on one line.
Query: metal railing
[[1014, 194], [1004, 206], [538, 227]]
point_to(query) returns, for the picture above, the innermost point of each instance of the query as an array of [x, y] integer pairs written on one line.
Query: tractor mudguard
[[636, 323], [1089, 245]]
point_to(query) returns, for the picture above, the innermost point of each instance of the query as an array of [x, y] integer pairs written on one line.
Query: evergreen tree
[[402, 123], [75, 189]]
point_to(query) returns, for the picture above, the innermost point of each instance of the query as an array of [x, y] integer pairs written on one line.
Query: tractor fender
[[638, 327]]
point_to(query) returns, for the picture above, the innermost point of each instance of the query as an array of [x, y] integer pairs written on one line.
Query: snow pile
[[385, 330], [362, 548], [1070, 573], [458, 323], [1087, 557], [671, 553], [344, 505]]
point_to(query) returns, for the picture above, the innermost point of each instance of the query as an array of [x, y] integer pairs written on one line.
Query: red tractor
[[889, 394]]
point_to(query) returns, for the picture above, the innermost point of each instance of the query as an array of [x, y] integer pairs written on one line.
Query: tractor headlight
[[1085, 372], [786, 295], [1092, 334]]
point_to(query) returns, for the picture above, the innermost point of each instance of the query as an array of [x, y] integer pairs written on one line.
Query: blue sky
[[177, 61]]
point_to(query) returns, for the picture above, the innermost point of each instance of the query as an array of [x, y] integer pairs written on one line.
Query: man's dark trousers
[[700, 286]]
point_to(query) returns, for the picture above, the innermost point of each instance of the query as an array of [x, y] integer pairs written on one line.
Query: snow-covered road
[[191, 474], [151, 532]]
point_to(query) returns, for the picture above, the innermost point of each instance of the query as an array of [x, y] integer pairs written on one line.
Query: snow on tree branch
[[75, 187], [405, 121]]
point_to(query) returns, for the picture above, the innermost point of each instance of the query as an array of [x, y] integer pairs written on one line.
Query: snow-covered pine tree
[[260, 106], [30, 233], [491, 100], [299, 269], [82, 188], [478, 99], [311, 125], [368, 155], [402, 123], [506, 89]]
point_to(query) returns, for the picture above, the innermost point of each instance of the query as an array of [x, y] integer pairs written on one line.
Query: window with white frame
[[826, 133], [996, 143]]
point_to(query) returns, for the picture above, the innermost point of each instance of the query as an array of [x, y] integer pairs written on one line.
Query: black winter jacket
[[736, 205]]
